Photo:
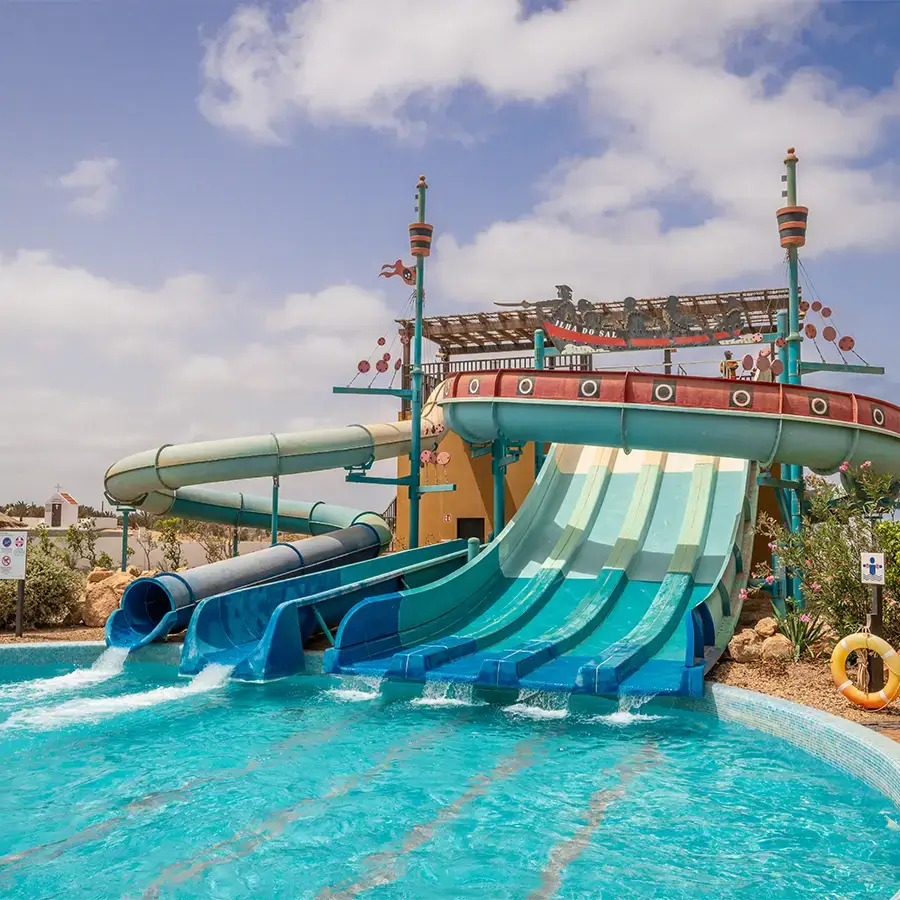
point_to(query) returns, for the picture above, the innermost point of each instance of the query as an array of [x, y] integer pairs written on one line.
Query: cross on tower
[[58, 488]]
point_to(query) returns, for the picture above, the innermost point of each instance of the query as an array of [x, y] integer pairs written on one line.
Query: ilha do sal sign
[[13, 552]]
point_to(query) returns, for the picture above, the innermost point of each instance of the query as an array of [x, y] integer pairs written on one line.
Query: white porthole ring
[[474, 386], [589, 388], [818, 406], [664, 393], [525, 386], [878, 416], [741, 399]]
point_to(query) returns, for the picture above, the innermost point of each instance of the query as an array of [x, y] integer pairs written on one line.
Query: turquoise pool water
[[141, 785]]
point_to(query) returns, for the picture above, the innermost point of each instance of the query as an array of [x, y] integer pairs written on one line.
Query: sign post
[[872, 572], [13, 554]]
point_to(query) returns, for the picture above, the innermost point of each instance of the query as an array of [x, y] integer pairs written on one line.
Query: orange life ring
[[862, 641]]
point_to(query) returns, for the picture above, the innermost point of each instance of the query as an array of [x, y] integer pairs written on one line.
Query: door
[[55, 515], [470, 528]]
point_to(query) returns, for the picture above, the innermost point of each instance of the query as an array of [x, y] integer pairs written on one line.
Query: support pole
[[235, 550], [538, 365], [275, 486], [498, 451], [473, 548], [667, 360], [787, 472], [416, 405], [20, 605], [125, 514], [875, 624]]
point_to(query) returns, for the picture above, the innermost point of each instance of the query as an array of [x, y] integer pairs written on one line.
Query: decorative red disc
[[777, 367], [443, 458], [763, 363], [810, 331], [816, 306], [404, 338], [386, 357], [826, 312], [363, 366], [427, 456], [397, 364], [381, 366], [804, 305], [829, 333], [747, 362], [780, 342], [381, 342], [846, 343]]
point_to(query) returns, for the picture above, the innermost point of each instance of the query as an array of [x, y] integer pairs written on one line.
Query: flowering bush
[[804, 630], [840, 522]]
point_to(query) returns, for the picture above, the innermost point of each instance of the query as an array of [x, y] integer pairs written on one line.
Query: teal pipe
[[125, 513], [539, 365], [498, 450], [275, 486], [416, 404]]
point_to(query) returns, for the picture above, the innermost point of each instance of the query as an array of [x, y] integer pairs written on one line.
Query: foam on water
[[91, 709], [447, 693], [539, 705], [108, 665], [628, 713], [357, 688]]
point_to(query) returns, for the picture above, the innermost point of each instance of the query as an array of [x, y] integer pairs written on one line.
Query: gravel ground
[[75, 633]]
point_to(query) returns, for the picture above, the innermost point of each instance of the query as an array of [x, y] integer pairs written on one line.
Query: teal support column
[[538, 365], [275, 485], [498, 451], [125, 513], [473, 548], [416, 402], [235, 550]]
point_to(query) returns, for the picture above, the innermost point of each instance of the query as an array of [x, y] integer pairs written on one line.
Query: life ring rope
[[864, 641]]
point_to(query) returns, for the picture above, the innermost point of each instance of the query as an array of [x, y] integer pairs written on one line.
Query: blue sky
[[254, 157]]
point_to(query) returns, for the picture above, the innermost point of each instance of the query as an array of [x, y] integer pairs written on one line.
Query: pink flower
[[866, 464], [743, 594], [770, 579], [816, 586], [808, 563], [805, 618], [844, 466], [772, 545]]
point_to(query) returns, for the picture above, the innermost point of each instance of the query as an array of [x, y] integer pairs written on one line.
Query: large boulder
[[102, 597], [777, 647], [98, 574], [745, 647], [767, 627]]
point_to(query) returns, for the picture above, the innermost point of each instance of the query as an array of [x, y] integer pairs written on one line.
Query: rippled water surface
[[132, 783]]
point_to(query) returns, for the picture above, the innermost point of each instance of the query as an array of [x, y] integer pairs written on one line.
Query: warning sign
[[13, 553]]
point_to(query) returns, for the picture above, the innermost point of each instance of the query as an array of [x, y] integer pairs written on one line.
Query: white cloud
[[96, 369], [92, 183], [679, 130]]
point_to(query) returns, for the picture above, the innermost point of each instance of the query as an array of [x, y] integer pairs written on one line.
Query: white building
[[61, 510]]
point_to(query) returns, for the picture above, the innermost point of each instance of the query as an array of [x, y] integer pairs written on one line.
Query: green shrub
[[52, 591], [802, 629]]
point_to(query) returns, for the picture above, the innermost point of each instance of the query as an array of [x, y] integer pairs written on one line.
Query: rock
[[183, 569], [102, 597], [745, 647], [777, 647], [766, 628], [149, 573], [134, 570], [98, 574]]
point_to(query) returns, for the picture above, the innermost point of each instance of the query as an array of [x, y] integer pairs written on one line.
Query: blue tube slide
[[162, 482], [261, 630]]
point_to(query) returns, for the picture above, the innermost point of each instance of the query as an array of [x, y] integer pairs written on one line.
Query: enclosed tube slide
[[162, 482]]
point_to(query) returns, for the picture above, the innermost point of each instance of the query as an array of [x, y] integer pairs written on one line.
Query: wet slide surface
[[593, 587]]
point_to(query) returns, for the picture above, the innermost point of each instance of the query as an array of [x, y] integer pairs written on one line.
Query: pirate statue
[[728, 367]]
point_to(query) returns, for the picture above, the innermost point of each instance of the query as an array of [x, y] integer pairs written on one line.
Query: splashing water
[[447, 693], [628, 713], [90, 709], [357, 688], [108, 664], [540, 705]]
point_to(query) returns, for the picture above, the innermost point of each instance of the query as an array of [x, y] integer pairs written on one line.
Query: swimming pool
[[142, 785]]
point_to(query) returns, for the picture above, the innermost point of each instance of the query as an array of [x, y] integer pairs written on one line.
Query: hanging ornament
[[816, 306], [363, 366], [386, 357], [826, 312], [846, 343], [747, 362], [810, 331], [381, 342], [397, 364], [381, 366], [780, 342], [777, 367], [829, 333], [804, 305]]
